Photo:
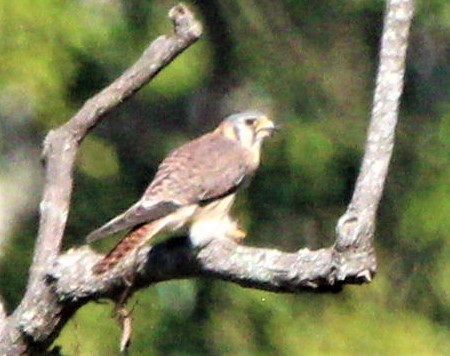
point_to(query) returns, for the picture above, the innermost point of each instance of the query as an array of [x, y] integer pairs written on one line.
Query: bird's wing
[[204, 169], [207, 168], [228, 167], [141, 212]]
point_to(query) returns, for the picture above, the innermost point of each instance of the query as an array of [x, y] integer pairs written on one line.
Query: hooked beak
[[265, 124]]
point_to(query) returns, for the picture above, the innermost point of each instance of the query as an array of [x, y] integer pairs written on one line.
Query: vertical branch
[[61, 145], [355, 228], [389, 87]]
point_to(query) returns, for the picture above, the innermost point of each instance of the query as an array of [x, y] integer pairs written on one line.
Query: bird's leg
[[236, 233]]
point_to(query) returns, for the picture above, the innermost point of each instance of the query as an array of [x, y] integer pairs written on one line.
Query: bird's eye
[[250, 122]]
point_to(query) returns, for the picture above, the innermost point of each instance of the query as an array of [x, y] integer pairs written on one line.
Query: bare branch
[[356, 227], [389, 87], [251, 267], [59, 153]]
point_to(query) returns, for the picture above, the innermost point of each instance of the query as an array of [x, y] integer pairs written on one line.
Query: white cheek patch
[[203, 231]]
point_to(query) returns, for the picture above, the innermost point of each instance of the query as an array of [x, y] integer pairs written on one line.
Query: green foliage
[[314, 65], [186, 71], [317, 174], [98, 158], [36, 40]]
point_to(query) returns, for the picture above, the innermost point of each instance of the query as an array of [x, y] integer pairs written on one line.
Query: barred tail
[[135, 239]]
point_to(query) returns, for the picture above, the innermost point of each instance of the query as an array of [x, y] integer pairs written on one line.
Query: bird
[[195, 187]]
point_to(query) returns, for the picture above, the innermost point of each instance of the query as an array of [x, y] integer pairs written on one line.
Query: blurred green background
[[310, 64]]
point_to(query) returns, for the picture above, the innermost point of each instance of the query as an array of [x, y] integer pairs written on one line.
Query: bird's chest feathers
[[255, 155]]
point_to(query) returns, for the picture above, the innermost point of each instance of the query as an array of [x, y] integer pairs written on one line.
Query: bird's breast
[[212, 221]]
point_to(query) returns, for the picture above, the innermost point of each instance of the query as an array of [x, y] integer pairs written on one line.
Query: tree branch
[[355, 228], [223, 259], [39, 304]]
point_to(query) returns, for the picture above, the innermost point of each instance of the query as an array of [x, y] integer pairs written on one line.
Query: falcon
[[194, 186]]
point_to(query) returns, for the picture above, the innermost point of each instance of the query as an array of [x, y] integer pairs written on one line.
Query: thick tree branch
[[60, 147], [251, 267]]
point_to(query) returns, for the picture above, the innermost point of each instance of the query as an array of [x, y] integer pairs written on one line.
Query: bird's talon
[[239, 235]]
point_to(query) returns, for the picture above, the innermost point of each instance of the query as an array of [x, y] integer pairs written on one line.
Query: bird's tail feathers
[[131, 242], [115, 225]]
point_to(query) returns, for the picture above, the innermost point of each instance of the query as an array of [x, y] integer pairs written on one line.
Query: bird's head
[[249, 128]]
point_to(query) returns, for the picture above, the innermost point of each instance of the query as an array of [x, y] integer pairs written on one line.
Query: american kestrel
[[194, 186]]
